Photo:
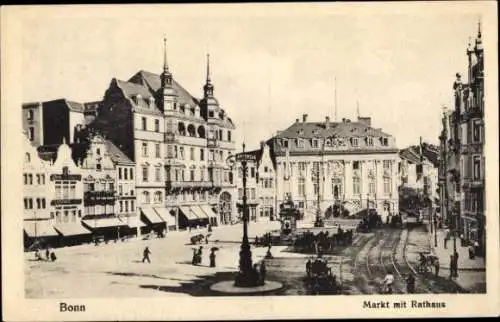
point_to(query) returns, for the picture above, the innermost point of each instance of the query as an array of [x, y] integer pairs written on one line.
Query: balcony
[[60, 202], [212, 143], [177, 185]]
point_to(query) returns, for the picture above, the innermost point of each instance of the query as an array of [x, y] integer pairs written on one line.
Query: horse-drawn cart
[[427, 260]]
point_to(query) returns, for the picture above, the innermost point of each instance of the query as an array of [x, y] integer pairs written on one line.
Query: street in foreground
[[116, 270]]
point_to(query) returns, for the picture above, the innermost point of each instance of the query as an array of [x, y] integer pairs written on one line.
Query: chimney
[[327, 122], [304, 118], [365, 120], [343, 120], [296, 120]]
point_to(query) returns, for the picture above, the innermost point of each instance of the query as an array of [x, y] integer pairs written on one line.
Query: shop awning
[[72, 229], [188, 213], [151, 215], [103, 223], [39, 228], [199, 212], [208, 210], [164, 213]]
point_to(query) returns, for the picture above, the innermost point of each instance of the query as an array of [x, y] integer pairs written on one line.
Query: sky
[[269, 64]]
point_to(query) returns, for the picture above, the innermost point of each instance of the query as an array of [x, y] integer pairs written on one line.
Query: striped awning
[[199, 212], [39, 228], [151, 215], [103, 223], [208, 210], [188, 213], [164, 213], [71, 229]]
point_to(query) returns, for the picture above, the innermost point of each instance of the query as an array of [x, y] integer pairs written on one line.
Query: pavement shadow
[[200, 286], [128, 274]]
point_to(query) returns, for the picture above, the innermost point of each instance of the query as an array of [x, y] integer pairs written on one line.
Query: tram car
[[412, 218], [289, 214]]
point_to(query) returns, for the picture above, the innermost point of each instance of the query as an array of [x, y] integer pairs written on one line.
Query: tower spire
[[335, 79], [479, 29], [165, 61], [208, 68], [357, 107]]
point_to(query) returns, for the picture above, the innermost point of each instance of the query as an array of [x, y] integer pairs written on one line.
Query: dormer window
[[138, 97], [151, 102], [315, 143], [385, 141], [354, 141], [300, 143], [369, 141], [285, 143], [301, 132]]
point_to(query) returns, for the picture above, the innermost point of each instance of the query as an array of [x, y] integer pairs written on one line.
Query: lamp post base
[[319, 223], [247, 276]]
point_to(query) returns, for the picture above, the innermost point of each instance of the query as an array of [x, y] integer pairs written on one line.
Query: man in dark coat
[[212, 258], [146, 253], [410, 283]]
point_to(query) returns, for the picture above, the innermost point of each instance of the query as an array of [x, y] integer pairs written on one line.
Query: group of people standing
[[323, 241], [198, 254], [50, 255]]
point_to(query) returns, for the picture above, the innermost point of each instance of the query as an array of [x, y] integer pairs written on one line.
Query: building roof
[[429, 152], [116, 155], [309, 130], [409, 155], [153, 81]]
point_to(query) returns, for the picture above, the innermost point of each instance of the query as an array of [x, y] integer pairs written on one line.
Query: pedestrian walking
[[146, 253], [212, 258], [410, 283], [263, 272], [268, 254], [455, 264], [452, 270], [47, 253], [53, 256], [436, 266], [194, 260], [199, 255]]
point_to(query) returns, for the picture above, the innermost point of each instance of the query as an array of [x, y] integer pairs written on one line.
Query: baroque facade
[[346, 164], [462, 153], [179, 144]]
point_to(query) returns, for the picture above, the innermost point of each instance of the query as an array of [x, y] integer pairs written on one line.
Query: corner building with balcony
[[179, 144], [462, 171], [350, 165]]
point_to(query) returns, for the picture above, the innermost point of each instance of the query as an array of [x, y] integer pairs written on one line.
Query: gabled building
[[179, 144], [261, 187]]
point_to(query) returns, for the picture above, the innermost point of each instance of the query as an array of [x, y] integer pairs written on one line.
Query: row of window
[[472, 167], [190, 130], [250, 192], [98, 186], [28, 179], [124, 206], [125, 174], [65, 216], [184, 196], [40, 203], [65, 190], [182, 175], [267, 183], [317, 143], [337, 187]]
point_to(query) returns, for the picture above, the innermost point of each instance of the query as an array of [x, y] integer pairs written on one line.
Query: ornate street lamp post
[[244, 278]]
